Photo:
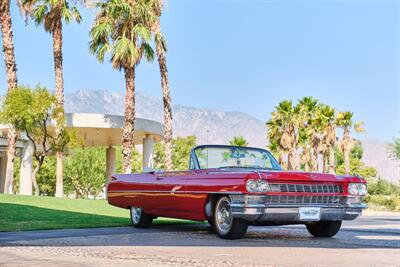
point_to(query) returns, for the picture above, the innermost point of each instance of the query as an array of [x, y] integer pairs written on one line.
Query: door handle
[[159, 178]]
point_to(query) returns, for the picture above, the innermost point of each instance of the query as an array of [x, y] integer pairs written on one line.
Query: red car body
[[184, 194], [192, 194]]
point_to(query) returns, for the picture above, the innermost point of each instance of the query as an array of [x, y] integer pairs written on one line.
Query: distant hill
[[376, 154], [210, 126]]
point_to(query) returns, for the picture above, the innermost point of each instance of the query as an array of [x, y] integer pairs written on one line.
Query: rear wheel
[[139, 218], [324, 228], [225, 225]]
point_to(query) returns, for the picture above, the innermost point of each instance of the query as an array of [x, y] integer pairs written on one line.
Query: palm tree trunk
[[314, 152], [325, 162], [162, 62], [283, 160], [314, 159], [292, 159], [129, 122], [11, 70], [347, 145], [331, 160], [59, 80], [306, 158]]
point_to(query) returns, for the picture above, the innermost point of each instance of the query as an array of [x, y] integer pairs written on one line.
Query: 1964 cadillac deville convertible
[[233, 187]]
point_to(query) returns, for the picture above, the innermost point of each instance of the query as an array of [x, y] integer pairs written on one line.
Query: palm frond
[[159, 38], [148, 52]]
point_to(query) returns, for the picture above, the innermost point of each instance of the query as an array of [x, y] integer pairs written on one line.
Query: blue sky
[[248, 56]]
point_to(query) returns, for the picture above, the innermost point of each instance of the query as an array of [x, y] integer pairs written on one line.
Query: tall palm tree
[[286, 120], [316, 128], [161, 50], [274, 136], [307, 134], [51, 14], [304, 142], [345, 121], [121, 29], [11, 70], [329, 138]]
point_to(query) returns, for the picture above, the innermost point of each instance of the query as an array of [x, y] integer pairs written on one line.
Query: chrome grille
[[285, 199], [306, 188]]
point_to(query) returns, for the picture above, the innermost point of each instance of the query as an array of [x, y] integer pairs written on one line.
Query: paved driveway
[[368, 241]]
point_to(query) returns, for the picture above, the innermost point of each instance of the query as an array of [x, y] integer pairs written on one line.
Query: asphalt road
[[367, 241]]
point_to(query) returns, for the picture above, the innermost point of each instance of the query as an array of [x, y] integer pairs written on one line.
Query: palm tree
[[316, 128], [329, 138], [11, 70], [345, 121], [121, 29], [274, 136], [305, 157], [238, 141], [307, 132], [51, 14], [161, 49], [285, 122]]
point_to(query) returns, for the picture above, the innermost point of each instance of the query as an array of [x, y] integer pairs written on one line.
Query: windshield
[[209, 157]]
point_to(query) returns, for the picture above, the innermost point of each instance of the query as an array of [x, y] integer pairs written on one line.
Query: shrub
[[383, 187], [391, 202]]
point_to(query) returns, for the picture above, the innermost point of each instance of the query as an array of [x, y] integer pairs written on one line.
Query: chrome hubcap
[[224, 216], [136, 213]]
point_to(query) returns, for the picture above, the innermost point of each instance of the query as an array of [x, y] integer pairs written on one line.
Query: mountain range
[[212, 126], [209, 125]]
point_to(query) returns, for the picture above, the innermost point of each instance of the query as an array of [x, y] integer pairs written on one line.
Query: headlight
[[362, 189], [257, 186], [357, 189], [251, 186]]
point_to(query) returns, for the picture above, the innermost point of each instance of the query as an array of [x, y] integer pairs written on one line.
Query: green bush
[[391, 202], [383, 187]]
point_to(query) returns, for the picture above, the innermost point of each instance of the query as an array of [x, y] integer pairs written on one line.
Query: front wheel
[[225, 225], [324, 228], [139, 218]]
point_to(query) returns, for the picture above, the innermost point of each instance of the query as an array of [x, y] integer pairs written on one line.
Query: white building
[[95, 130]]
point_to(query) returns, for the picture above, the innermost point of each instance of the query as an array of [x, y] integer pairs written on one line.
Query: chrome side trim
[[175, 192]]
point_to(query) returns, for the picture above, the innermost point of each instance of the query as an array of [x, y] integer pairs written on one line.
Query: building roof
[[106, 130]]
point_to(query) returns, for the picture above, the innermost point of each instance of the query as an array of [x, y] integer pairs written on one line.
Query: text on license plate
[[310, 213]]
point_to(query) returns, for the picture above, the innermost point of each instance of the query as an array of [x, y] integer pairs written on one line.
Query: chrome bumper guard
[[252, 208]]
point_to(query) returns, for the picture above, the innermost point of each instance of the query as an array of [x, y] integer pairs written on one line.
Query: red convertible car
[[233, 187]]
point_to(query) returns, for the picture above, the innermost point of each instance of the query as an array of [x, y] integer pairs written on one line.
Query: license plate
[[310, 214]]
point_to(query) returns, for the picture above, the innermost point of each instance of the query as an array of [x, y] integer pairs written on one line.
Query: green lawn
[[20, 213]]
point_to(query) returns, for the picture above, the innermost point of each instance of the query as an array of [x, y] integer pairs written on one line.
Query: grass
[[21, 213]]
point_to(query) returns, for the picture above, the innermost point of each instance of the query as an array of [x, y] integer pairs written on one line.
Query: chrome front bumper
[[267, 212]]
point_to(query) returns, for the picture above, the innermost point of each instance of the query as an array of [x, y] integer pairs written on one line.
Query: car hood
[[304, 176], [280, 175]]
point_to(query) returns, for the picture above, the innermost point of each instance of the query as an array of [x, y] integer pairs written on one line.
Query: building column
[[148, 147], [25, 180], [110, 163], [3, 168]]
